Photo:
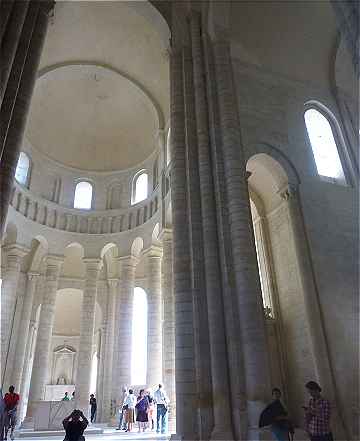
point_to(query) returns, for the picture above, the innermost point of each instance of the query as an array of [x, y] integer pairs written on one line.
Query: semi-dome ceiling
[[105, 90], [91, 118]]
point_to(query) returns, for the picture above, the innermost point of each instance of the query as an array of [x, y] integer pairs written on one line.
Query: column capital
[[16, 249], [287, 192], [32, 276], [166, 234], [112, 283], [92, 267], [128, 260], [153, 252], [53, 266]]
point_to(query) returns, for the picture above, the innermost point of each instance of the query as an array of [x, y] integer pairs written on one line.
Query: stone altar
[[49, 415]]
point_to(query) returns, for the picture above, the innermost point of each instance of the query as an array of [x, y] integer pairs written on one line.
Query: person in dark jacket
[[276, 416], [75, 425], [93, 408]]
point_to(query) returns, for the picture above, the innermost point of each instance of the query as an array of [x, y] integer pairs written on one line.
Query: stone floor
[[109, 434]]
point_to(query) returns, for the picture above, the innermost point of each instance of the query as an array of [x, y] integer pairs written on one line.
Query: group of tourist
[[142, 408], [317, 416]]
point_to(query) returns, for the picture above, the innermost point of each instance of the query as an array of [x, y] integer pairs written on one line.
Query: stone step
[[26, 433]]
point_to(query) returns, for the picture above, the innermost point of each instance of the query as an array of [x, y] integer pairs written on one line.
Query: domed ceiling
[[103, 90]]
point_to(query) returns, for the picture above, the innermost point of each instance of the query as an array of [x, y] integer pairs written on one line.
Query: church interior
[[179, 189]]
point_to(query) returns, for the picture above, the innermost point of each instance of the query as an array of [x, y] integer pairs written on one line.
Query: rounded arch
[[139, 186], [137, 246], [340, 146], [83, 194], [23, 169], [155, 233], [278, 156]]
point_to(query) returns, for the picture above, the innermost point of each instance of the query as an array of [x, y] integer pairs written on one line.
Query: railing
[[56, 216]]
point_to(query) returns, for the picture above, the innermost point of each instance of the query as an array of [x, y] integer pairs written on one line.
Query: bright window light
[[141, 188], [22, 169], [83, 195], [323, 144], [94, 369], [139, 338]]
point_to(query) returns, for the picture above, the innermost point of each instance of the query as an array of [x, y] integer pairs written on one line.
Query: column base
[[221, 434]]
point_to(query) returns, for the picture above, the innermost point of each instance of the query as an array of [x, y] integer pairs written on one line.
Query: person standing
[[93, 408], [2, 416], [276, 416], [162, 403], [66, 397], [75, 425], [317, 414], [151, 409], [11, 400], [142, 406], [122, 411], [129, 405]]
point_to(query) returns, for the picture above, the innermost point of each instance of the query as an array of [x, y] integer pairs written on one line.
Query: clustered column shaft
[[24, 330], [18, 73], [154, 340], [168, 324], [46, 322], [122, 347], [84, 364], [14, 255]]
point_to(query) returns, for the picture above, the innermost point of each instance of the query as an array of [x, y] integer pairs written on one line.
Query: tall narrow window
[[323, 144], [139, 338], [140, 188], [83, 195], [23, 169]]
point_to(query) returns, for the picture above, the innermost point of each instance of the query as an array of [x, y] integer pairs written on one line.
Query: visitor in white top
[[162, 404], [129, 407]]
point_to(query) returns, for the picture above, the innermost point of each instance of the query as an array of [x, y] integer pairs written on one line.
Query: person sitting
[[11, 400], [75, 425]]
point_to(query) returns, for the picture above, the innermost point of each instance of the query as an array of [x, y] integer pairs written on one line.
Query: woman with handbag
[[142, 410]]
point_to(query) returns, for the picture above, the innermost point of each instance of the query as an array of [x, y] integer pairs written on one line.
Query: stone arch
[[277, 155], [137, 246], [109, 253]]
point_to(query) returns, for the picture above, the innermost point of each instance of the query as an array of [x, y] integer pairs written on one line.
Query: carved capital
[[153, 252], [92, 268], [32, 276], [288, 192]]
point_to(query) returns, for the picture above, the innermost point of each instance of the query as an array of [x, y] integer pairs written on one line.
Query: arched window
[[83, 195], [94, 371], [23, 169], [326, 154], [140, 188], [139, 338]]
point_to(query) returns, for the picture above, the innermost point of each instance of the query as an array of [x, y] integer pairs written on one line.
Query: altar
[[49, 415]]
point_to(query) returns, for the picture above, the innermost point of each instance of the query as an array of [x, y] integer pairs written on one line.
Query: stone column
[[154, 339], [123, 326], [246, 276], [14, 255], [167, 290], [216, 320], [16, 103], [25, 380], [11, 41], [109, 349], [319, 346], [84, 363], [22, 339], [186, 384], [43, 343]]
